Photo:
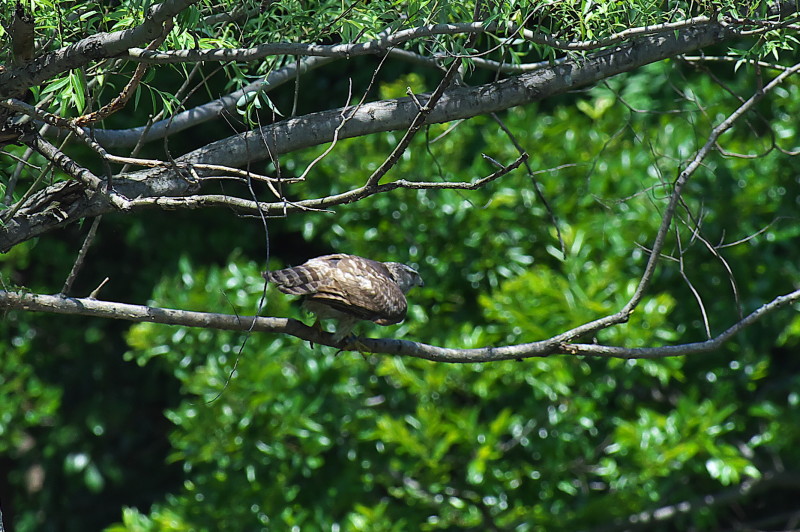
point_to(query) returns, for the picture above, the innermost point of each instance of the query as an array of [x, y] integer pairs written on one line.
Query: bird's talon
[[352, 343]]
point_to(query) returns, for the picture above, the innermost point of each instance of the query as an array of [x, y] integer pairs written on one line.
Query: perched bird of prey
[[349, 289]]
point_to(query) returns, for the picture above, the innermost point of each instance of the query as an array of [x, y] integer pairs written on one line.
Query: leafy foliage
[[232, 431]]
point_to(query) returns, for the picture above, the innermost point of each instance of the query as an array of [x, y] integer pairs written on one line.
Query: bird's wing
[[360, 287]]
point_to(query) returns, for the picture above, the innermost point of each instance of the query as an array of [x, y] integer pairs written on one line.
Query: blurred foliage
[[159, 428]]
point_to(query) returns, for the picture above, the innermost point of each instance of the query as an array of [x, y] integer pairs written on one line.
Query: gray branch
[[377, 46], [123, 138], [457, 103]]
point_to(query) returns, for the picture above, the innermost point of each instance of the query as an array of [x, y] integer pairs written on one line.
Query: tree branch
[[22, 36], [383, 44], [456, 103], [310, 130], [684, 349], [552, 346], [84, 176], [344, 50], [120, 138], [283, 207]]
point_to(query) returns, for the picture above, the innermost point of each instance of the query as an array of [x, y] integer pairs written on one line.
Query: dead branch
[[281, 208]]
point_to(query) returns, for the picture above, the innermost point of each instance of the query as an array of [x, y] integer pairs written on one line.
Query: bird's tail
[[296, 281]]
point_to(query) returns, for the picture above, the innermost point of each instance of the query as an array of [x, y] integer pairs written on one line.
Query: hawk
[[349, 289]]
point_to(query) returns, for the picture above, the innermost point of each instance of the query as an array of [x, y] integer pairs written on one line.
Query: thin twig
[[536, 187], [55, 121], [416, 124], [154, 119], [688, 282], [714, 250], [93, 293], [344, 118], [81, 256], [674, 200], [91, 181]]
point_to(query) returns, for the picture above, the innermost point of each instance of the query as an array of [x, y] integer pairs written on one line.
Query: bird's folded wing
[[383, 303]]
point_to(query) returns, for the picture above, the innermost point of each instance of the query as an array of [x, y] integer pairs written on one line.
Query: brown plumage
[[349, 289]]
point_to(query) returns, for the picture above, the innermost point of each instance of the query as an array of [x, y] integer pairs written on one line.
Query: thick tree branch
[[388, 115], [121, 138], [456, 103], [105, 309]]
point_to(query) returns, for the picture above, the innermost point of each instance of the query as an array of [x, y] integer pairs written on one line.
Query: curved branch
[[381, 45], [683, 349], [692, 38], [456, 103], [120, 138], [552, 346]]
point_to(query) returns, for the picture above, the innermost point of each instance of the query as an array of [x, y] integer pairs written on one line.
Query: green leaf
[[77, 89]]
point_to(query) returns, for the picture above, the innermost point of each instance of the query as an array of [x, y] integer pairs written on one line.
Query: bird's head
[[406, 277]]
